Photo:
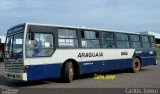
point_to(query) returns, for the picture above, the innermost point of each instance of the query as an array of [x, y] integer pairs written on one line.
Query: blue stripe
[[37, 72], [101, 66]]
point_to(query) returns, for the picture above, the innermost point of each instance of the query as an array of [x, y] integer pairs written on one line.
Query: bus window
[[135, 41], [122, 40], [152, 42], [145, 42], [90, 39], [67, 38], [42, 45], [17, 45], [8, 47], [108, 40]]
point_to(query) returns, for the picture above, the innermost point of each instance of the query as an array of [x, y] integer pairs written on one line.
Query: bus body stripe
[[37, 72]]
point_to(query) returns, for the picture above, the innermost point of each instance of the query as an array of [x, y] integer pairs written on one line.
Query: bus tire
[[68, 72], [136, 65]]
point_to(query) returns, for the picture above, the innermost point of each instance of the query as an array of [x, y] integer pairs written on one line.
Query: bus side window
[[145, 41], [40, 45], [108, 40], [90, 39], [152, 42], [122, 40], [67, 38], [135, 41]]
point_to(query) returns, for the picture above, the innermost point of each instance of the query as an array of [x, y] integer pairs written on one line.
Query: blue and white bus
[[39, 51]]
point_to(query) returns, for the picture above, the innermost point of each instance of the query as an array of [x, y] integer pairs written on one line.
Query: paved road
[[149, 77]]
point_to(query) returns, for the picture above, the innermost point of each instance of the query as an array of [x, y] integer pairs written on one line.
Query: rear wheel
[[68, 72], [136, 65]]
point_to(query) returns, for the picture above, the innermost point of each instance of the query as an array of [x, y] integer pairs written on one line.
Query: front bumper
[[16, 76]]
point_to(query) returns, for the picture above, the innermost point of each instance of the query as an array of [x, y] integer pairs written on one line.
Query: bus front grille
[[13, 66]]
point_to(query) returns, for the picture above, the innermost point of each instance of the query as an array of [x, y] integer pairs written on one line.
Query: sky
[[121, 15]]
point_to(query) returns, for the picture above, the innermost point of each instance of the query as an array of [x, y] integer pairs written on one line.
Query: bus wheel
[[68, 72], [136, 65]]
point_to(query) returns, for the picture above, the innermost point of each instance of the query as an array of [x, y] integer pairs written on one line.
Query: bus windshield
[[13, 48]]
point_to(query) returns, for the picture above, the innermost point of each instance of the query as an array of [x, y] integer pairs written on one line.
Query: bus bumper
[[16, 76]]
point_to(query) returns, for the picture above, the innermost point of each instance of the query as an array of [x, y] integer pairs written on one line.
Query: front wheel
[[69, 72], [136, 65]]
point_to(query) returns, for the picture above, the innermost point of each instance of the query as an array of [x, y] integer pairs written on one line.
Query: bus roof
[[79, 27]]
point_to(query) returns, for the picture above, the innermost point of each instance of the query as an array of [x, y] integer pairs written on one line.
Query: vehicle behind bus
[[158, 50]]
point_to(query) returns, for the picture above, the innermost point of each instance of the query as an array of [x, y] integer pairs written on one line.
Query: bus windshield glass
[[14, 45]]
